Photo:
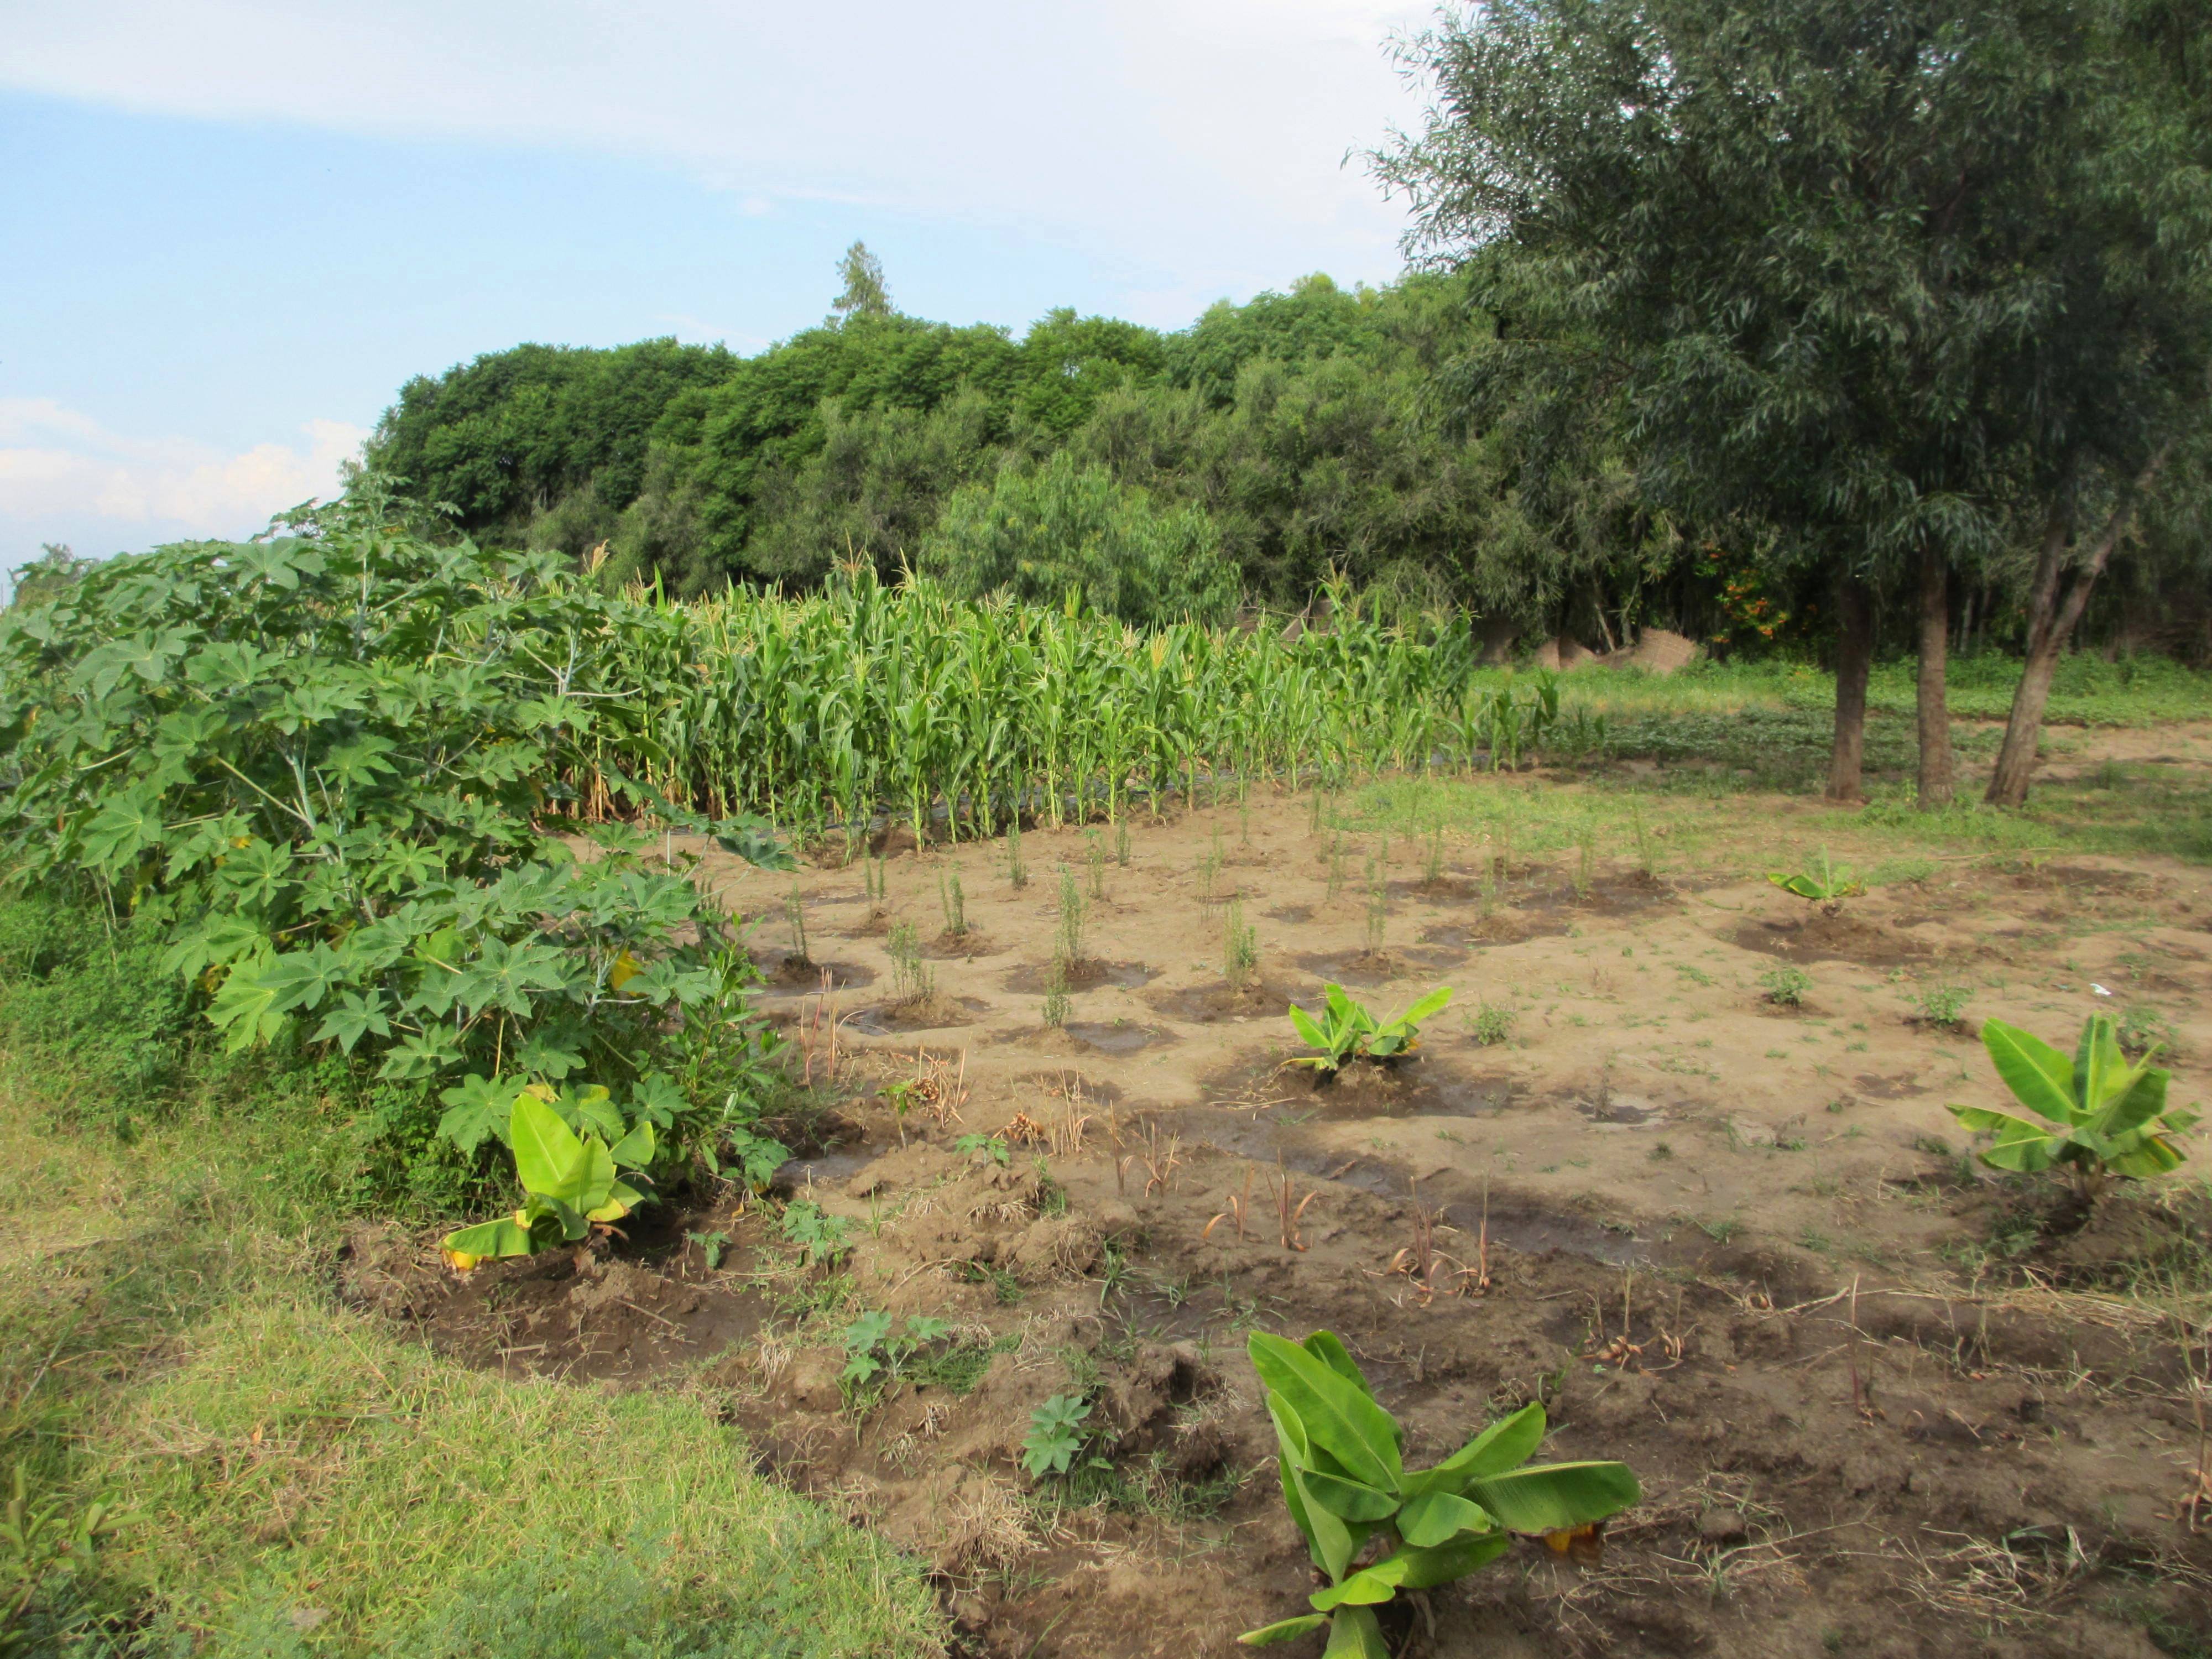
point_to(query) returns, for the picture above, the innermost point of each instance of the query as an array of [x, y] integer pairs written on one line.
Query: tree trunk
[[1932, 707], [2051, 616], [1854, 659]]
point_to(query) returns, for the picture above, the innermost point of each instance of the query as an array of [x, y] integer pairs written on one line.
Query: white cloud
[[64, 477], [1199, 141]]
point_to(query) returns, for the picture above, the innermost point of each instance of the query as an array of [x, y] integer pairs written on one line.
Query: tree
[[47, 578], [2124, 389], [1063, 529], [1803, 248], [863, 294]]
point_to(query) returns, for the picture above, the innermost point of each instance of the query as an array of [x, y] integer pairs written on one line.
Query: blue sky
[[236, 226]]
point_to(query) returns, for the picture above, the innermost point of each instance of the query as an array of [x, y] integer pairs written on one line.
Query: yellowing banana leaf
[[508, 1236]]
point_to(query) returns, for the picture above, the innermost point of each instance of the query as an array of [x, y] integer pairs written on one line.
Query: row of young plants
[[329, 771], [953, 716]]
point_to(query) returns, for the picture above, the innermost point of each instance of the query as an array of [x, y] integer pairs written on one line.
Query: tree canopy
[[1886, 284]]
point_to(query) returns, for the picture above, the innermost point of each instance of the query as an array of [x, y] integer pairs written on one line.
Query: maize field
[[861, 702]]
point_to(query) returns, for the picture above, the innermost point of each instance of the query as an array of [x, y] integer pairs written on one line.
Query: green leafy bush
[[820, 1237], [1944, 1004], [339, 770], [2100, 1117], [1345, 1480], [876, 1356], [1491, 1025]]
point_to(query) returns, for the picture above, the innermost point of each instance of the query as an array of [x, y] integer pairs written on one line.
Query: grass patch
[[296, 1479], [301, 1459]]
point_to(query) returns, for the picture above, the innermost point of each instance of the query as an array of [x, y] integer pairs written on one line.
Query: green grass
[[300, 1457], [2143, 691], [301, 1478]]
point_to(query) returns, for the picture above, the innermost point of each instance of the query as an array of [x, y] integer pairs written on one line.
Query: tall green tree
[[2120, 394], [1803, 248], [863, 294]]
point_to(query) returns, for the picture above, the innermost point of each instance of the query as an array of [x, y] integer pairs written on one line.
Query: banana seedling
[[573, 1191], [2100, 1117], [1348, 1031], [1345, 1483], [1828, 886]]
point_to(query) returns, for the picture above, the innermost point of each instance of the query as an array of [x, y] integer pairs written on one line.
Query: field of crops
[[827, 708]]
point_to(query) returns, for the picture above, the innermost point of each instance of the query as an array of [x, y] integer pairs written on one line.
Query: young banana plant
[[1345, 1483], [570, 1181], [2098, 1115], [1348, 1031], [1828, 886]]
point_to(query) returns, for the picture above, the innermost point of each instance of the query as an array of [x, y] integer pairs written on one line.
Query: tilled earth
[[1880, 1404]]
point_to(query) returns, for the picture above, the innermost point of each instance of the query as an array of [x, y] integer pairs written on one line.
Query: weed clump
[[1785, 987]]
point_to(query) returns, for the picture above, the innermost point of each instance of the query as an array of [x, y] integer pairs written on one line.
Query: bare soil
[[1727, 1243]]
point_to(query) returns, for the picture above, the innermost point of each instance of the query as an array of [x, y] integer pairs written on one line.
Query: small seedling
[[1290, 1209], [1055, 994], [955, 903], [912, 982], [1018, 875], [1785, 988], [1644, 865], [1433, 865], [1071, 911], [2099, 1116], [1095, 857], [1240, 947], [1345, 1482], [879, 881], [820, 1237], [1350, 1032], [1491, 1025], [1335, 864], [992, 1146], [1056, 1436], [1378, 909], [1122, 842], [1209, 870], [1827, 884], [1943, 1006], [794, 916], [711, 1246]]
